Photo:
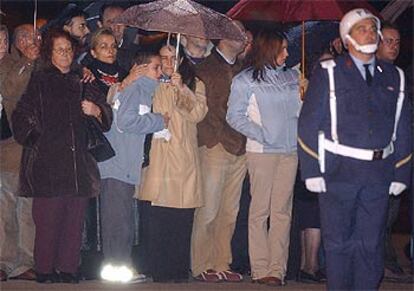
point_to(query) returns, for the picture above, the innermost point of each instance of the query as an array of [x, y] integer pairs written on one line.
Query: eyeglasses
[[62, 52]]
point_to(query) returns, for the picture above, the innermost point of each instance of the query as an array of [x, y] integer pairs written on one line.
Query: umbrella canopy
[[181, 16], [318, 35], [294, 10]]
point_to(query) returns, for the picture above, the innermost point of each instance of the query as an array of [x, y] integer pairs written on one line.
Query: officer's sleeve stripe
[[404, 161], [307, 149]]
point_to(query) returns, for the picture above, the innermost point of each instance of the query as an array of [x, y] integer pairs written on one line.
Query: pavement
[[399, 241]]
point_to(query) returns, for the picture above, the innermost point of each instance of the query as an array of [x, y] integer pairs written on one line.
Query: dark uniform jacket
[[49, 123], [365, 118]]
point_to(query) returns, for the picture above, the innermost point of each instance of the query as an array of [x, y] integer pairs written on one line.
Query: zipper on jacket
[[73, 149]]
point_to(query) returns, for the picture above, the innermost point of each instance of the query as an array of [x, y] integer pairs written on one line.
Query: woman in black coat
[[57, 170]]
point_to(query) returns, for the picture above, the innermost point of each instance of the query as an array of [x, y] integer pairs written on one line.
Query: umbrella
[[295, 11], [318, 34], [181, 17]]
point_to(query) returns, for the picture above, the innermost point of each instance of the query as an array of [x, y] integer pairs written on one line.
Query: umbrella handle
[[177, 51]]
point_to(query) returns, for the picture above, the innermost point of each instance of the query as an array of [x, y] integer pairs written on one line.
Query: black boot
[[69, 278], [47, 278]]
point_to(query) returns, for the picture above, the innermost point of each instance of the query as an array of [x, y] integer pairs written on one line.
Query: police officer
[[355, 150]]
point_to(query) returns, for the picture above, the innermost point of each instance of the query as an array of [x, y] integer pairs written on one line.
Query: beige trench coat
[[173, 177]]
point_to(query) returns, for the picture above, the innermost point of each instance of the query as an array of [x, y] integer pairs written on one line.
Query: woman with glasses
[[57, 170]]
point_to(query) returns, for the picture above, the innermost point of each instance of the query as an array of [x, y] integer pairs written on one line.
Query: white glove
[[316, 184], [396, 188]]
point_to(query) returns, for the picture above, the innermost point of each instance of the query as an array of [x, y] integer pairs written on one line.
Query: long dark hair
[[266, 47]]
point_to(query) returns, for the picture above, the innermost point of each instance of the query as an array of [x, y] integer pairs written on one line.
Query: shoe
[[404, 278], [27, 275], [138, 278], [69, 278], [230, 276], [269, 281], [3, 276], [306, 277], [209, 276], [47, 278], [321, 276]]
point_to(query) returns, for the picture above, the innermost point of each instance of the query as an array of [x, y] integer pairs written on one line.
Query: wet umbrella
[[181, 17], [295, 11], [318, 34]]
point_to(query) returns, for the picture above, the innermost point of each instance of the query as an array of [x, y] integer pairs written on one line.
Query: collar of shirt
[[360, 65], [120, 43], [230, 62]]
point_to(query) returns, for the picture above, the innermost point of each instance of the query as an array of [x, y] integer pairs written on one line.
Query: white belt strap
[[329, 66], [400, 102], [357, 153], [348, 151]]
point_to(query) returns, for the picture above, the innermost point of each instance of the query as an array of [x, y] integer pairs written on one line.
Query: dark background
[[21, 11]]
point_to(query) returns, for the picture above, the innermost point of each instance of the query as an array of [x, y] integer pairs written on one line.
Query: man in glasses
[[16, 224]]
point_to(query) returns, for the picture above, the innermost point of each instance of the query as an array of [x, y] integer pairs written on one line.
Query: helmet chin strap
[[366, 48]]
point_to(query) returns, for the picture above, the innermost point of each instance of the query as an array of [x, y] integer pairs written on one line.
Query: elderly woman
[[57, 170], [173, 180], [264, 105]]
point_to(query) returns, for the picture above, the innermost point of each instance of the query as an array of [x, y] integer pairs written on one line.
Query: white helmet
[[349, 20]]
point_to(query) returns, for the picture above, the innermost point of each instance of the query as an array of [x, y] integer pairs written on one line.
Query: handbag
[[97, 144]]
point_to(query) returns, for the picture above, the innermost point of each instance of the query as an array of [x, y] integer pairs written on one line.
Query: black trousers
[[170, 241]]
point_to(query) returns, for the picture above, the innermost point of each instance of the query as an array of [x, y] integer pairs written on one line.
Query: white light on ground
[[116, 273]]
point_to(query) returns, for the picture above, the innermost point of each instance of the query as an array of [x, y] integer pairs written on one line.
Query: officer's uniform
[[353, 210]]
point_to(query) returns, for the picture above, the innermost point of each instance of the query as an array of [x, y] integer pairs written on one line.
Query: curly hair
[[48, 42]]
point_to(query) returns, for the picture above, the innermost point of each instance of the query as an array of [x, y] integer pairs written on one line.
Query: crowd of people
[[195, 132]]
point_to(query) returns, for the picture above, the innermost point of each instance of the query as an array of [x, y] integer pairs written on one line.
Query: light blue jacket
[[132, 121], [266, 112]]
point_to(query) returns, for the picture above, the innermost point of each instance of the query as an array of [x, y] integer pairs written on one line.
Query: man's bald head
[[27, 41]]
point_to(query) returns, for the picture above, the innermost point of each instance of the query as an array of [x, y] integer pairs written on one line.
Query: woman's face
[[105, 50], [167, 54], [4, 44], [62, 54], [283, 54]]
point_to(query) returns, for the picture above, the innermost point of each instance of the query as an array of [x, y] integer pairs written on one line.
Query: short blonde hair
[[97, 34]]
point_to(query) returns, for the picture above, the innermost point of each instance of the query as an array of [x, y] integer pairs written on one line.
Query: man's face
[[364, 32], [107, 21], [154, 68], [4, 44], [29, 43], [78, 28], [198, 42], [389, 47]]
